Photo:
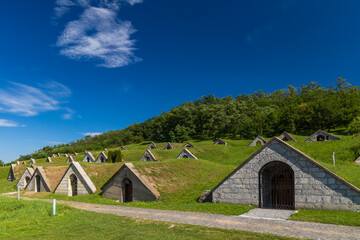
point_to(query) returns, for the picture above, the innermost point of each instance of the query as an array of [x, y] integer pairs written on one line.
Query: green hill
[[301, 110], [181, 181]]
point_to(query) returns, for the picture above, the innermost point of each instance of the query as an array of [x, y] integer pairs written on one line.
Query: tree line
[[296, 110]]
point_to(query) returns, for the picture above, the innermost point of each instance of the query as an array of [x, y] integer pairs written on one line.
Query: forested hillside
[[296, 110]]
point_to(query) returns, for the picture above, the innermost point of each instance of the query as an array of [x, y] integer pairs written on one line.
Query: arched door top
[[276, 183]]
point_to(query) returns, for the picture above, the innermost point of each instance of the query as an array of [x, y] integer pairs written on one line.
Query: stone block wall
[[22, 181], [64, 186], [328, 137], [114, 188], [32, 184], [314, 187]]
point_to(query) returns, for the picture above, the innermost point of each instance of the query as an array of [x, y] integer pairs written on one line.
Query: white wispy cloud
[[8, 123], [98, 33], [132, 2], [62, 7], [25, 100], [91, 134], [69, 113], [54, 142]]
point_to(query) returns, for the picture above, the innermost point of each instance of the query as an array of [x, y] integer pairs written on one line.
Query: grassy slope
[[181, 181], [36, 222], [5, 186]]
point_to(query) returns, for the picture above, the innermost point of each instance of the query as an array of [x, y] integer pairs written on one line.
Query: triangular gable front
[[11, 175], [287, 137], [32, 161], [84, 183], [168, 146], [152, 146], [188, 145], [257, 140], [357, 161], [220, 142], [122, 148], [48, 159], [148, 156], [186, 154], [42, 186], [25, 178], [70, 159], [53, 155], [23, 163], [321, 136], [89, 157], [143, 190], [102, 158], [315, 186]]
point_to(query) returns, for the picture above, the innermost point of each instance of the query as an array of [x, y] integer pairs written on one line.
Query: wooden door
[[282, 190], [128, 195], [38, 183], [73, 180]]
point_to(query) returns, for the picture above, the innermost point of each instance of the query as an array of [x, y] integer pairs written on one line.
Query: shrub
[[115, 156]]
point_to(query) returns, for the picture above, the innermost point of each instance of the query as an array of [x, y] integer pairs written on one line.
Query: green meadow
[[181, 181], [37, 222]]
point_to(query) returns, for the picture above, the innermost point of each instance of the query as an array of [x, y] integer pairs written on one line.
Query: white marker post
[[334, 158], [54, 207], [18, 197]]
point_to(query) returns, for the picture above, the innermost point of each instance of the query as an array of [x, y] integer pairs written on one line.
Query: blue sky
[[72, 67]]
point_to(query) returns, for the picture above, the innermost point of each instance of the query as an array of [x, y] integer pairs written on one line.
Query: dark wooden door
[[37, 178], [282, 190], [73, 180], [128, 191]]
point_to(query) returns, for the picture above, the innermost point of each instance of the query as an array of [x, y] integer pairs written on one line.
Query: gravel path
[[280, 227]]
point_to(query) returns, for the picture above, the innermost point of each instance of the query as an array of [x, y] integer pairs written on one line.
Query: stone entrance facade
[[321, 136], [315, 187], [257, 141], [39, 182], [75, 181], [25, 178], [128, 185]]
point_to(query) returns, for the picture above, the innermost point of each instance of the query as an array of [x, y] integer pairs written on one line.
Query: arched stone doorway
[[127, 190], [276, 183], [320, 138], [73, 184], [27, 179], [37, 180]]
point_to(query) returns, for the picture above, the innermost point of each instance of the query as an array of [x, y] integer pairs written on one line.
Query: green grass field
[[36, 222], [181, 181], [330, 217]]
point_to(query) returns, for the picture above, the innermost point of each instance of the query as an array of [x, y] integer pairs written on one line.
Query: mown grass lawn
[[20, 219], [329, 217]]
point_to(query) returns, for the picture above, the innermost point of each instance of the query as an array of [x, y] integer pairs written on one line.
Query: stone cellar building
[[75, 181], [282, 177], [128, 185]]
